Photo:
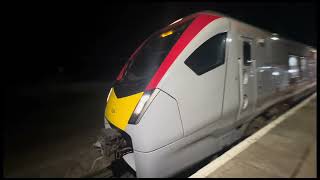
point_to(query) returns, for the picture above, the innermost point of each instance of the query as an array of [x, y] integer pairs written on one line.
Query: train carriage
[[191, 88]]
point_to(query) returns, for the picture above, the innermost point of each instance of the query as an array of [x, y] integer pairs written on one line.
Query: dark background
[[90, 40], [63, 58]]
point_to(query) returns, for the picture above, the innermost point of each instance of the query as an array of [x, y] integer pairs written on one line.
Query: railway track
[[121, 170], [118, 169], [103, 173]]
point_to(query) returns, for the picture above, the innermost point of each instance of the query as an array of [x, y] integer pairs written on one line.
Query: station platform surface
[[284, 148]]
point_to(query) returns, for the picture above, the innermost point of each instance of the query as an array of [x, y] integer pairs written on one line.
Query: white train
[[191, 88]]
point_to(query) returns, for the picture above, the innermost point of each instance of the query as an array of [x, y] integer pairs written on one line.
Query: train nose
[[119, 110]]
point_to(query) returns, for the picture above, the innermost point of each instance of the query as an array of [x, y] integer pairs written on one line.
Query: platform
[[284, 148]]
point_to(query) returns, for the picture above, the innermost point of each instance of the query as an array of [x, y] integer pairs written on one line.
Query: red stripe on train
[[121, 72], [194, 28]]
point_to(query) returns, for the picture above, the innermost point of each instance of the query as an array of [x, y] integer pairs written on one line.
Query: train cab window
[[147, 59], [209, 55], [246, 53]]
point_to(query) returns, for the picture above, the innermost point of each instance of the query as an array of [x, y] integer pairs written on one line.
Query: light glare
[[276, 73], [109, 94], [176, 21], [292, 70]]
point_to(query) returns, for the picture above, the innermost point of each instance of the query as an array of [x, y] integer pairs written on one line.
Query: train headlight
[[135, 117]]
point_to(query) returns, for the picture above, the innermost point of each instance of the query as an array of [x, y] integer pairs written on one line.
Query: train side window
[[209, 55], [246, 53], [303, 64], [293, 66]]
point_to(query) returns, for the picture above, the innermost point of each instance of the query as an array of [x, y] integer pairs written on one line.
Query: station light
[[274, 37]]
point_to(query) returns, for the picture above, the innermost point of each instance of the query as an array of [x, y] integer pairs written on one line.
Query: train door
[[248, 79]]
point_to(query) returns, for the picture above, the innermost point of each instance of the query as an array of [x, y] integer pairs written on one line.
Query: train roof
[[242, 22]]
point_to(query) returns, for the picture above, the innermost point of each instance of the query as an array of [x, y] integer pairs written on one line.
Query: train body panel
[[275, 76], [199, 81], [200, 102], [171, 159], [159, 126]]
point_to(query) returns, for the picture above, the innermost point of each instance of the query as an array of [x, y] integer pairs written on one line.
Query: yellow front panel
[[119, 110]]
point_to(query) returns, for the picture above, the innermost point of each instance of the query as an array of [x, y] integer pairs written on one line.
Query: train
[[191, 89]]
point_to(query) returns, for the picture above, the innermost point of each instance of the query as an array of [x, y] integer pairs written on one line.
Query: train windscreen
[[147, 59]]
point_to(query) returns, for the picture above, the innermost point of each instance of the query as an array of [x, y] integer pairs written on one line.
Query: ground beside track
[[50, 129]]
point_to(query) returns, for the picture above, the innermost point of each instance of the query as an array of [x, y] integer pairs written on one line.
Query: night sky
[[90, 41]]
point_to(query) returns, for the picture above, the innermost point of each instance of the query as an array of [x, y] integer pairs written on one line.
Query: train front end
[[137, 108]]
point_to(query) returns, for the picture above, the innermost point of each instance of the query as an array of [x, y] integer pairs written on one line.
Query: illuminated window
[[293, 66], [293, 61], [303, 63]]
